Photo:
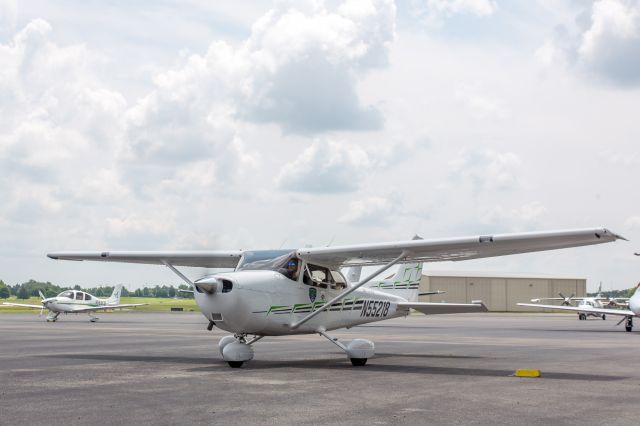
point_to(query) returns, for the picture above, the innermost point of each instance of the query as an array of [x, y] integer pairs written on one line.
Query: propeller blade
[[563, 296], [41, 295]]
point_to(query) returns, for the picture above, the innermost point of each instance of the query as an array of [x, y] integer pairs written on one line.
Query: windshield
[[270, 260]]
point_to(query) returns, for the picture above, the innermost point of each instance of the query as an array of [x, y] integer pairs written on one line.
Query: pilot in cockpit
[[291, 270]]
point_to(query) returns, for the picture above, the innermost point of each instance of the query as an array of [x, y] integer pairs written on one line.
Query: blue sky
[[190, 125]]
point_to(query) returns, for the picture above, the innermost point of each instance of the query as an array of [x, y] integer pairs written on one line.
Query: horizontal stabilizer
[[444, 308]]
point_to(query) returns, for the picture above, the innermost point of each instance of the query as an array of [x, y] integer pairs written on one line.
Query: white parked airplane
[[628, 314], [597, 301], [75, 302], [285, 292]]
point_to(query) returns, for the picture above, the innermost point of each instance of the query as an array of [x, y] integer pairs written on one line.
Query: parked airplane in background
[[286, 292], [628, 314], [597, 301], [75, 302]]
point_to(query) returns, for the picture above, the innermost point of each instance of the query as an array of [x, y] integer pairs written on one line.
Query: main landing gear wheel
[[358, 350], [358, 362], [582, 317], [629, 325], [604, 317]]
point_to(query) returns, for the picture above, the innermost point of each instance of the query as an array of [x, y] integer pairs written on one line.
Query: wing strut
[[180, 274], [351, 290]]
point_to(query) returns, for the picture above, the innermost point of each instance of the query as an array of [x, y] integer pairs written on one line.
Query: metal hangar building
[[500, 292]]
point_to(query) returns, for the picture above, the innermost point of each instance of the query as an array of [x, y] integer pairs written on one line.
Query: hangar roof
[[485, 274]]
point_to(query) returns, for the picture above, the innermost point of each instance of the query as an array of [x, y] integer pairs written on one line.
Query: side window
[[338, 279], [79, 295], [318, 276], [87, 296], [67, 294]]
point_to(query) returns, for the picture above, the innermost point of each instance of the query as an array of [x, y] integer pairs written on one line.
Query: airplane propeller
[[42, 301], [566, 300]]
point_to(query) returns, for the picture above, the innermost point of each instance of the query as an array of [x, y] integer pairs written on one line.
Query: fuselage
[[72, 300], [265, 302]]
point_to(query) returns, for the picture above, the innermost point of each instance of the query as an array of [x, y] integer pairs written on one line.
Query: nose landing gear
[[236, 350]]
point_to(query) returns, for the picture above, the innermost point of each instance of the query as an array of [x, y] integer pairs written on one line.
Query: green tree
[[172, 291], [4, 291], [23, 293]]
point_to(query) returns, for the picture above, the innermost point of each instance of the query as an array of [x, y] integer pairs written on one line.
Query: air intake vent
[[216, 316], [227, 286]]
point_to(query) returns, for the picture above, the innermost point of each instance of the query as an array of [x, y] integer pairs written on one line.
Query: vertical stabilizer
[[405, 283], [114, 299]]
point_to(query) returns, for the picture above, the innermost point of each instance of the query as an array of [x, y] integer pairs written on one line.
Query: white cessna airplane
[[75, 302], [627, 314], [285, 292]]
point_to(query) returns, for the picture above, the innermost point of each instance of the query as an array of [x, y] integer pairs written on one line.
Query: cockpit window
[[68, 294], [79, 295], [87, 296]]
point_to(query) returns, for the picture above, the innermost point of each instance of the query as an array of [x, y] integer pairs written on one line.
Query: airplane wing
[[555, 298], [22, 305], [106, 307], [621, 312], [444, 308], [455, 249], [204, 259]]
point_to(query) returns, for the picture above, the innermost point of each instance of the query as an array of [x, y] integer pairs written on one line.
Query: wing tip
[[607, 231]]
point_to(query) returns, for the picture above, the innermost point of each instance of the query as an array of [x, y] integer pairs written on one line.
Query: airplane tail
[[405, 283], [114, 299]]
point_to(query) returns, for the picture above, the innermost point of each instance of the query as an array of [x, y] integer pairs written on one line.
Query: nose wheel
[[629, 325], [236, 350]]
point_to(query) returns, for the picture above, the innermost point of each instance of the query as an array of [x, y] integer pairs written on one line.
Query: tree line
[[32, 288]]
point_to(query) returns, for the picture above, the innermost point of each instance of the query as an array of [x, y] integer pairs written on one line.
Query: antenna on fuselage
[[331, 241]]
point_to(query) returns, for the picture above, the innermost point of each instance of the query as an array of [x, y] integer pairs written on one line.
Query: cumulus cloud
[[298, 69], [435, 12], [306, 66], [326, 167], [370, 211], [57, 119], [606, 44], [486, 169], [611, 45]]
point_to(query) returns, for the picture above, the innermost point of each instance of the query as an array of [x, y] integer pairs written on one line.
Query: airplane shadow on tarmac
[[334, 364]]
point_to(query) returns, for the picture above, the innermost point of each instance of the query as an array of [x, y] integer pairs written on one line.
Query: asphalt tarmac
[[147, 368]]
